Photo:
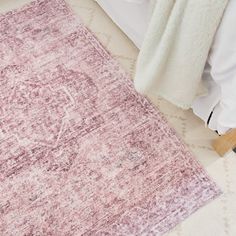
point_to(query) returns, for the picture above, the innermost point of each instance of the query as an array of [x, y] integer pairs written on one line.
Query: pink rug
[[81, 153]]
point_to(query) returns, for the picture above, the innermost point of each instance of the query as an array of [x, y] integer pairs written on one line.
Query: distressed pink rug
[[81, 153]]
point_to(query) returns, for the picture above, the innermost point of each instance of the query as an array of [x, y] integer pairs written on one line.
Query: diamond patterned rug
[[81, 152]]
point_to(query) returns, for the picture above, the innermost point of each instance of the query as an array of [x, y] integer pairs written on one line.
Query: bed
[[218, 108]]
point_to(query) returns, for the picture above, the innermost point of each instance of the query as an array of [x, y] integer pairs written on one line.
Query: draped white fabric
[[175, 49], [219, 75], [220, 78], [130, 15]]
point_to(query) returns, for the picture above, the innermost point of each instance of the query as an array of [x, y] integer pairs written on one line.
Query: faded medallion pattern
[[80, 152]]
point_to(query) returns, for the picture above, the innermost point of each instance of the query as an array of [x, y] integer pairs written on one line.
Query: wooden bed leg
[[225, 142]]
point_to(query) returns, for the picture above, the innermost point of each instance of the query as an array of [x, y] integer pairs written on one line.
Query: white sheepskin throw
[[175, 48]]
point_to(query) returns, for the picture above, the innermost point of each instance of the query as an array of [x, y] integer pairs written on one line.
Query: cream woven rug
[[217, 218]]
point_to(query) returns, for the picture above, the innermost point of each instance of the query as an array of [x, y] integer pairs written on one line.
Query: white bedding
[[130, 15], [220, 72], [220, 77]]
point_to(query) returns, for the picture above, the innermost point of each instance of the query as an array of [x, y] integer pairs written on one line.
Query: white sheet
[[130, 15], [221, 77], [220, 72]]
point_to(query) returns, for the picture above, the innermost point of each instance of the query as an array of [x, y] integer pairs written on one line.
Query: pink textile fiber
[[81, 153]]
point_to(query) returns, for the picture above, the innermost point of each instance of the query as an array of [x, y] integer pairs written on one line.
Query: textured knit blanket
[[175, 48]]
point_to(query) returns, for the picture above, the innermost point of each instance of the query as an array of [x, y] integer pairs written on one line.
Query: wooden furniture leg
[[225, 142]]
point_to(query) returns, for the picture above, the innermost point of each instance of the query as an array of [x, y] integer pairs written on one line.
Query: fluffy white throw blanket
[[175, 48]]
